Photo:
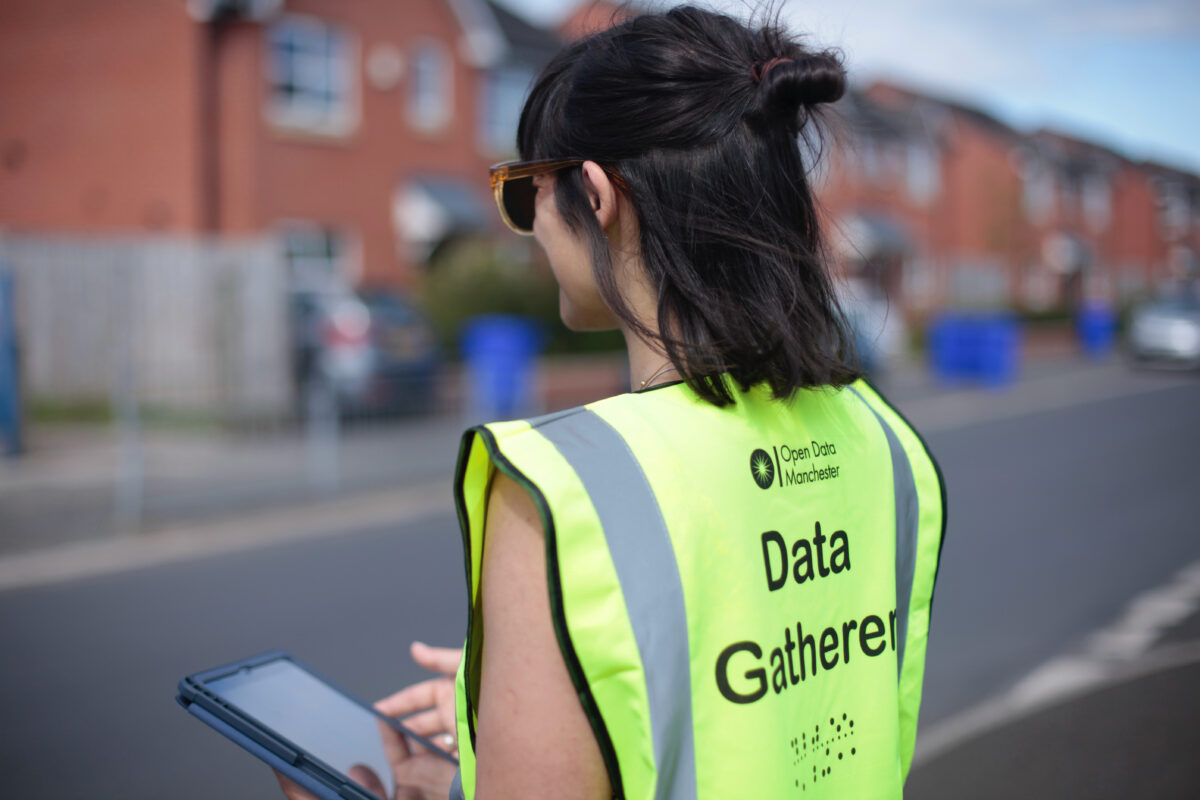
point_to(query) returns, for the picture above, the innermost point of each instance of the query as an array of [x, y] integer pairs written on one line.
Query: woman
[[718, 584]]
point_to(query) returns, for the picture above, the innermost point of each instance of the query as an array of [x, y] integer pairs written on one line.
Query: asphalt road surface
[[1057, 518]]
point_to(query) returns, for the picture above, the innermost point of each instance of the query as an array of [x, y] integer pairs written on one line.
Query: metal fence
[[164, 383], [177, 325], [176, 352]]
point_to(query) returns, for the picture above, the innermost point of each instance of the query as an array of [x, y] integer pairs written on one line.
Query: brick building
[[357, 132], [937, 203], [940, 203]]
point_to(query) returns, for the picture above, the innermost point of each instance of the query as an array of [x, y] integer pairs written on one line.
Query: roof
[[1169, 172], [493, 34], [523, 36], [864, 115], [904, 98], [1073, 154]]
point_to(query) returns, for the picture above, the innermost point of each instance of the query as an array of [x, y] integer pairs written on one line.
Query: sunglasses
[[512, 185]]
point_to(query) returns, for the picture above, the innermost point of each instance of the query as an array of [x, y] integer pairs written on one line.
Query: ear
[[601, 192]]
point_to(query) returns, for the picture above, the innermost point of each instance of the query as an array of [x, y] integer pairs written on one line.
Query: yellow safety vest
[[741, 594]]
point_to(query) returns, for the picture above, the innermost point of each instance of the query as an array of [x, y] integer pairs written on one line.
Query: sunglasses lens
[[518, 195]]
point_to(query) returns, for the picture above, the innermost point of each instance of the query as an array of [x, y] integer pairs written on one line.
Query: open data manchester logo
[[762, 468]]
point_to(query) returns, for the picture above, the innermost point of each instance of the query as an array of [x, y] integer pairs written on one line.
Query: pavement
[[1115, 719]]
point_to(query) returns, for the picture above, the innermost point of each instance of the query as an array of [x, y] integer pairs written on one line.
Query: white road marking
[[1118, 651], [241, 533]]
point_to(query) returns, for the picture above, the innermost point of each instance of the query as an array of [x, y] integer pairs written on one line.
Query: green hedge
[[477, 276]]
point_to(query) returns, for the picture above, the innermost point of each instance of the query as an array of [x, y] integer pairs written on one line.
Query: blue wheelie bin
[[10, 388], [1096, 327], [500, 350]]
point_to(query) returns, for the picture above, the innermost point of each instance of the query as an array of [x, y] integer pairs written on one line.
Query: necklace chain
[[667, 367]]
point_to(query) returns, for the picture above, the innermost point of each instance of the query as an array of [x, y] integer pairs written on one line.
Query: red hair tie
[[760, 71]]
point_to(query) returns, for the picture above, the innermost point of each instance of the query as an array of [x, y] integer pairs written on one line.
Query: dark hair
[[702, 117]]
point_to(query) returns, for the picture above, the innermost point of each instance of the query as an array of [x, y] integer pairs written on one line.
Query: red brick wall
[[349, 182], [128, 115], [99, 119]]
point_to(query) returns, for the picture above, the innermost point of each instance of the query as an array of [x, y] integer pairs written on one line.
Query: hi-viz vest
[[741, 594]]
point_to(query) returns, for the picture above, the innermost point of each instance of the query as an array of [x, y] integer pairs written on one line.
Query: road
[[1060, 512], [1057, 519]]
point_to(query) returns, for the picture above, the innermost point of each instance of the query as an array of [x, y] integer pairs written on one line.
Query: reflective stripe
[[905, 489], [645, 563], [456, 788]]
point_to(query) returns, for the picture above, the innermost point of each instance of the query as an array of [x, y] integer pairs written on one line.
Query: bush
[[470, 277]]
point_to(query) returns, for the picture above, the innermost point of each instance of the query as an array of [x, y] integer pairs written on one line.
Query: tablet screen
[[316, 717]]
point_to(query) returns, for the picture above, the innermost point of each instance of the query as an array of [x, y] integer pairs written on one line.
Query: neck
[[645, 359]]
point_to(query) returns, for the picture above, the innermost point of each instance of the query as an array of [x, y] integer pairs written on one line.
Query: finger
[[439, 736], [293, 790], [417, 697], [446, 706], [395, 747], [364, 775], [426, 723], [438, 659]]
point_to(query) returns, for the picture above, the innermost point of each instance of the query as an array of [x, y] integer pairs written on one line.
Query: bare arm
[[533, 739]]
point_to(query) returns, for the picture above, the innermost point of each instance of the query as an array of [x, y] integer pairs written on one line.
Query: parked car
[[376, 350], [404, 357], [1166, 331]]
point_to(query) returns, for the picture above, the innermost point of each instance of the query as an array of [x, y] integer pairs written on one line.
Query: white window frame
[[1097, 201], [498, 117], [334, 261], [430, 97], [323, 60], [922, 172], [1171, 196], [1038, 191]]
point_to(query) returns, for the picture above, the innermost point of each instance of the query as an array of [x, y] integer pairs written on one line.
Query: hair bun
[[787, 86]]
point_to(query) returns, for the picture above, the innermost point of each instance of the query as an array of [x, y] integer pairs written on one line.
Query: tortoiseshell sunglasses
[[512, 185]]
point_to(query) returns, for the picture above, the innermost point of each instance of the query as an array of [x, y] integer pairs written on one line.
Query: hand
[[417, 777], [433, 698], [421, 775]]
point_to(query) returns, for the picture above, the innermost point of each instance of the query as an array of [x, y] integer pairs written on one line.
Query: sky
[[1121, 73]]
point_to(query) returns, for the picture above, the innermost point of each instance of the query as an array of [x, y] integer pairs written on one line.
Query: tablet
[[298, 722]]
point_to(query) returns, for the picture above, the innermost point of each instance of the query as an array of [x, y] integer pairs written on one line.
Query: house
[[357, 133], [969, 211], [172, 170], [936, 202]]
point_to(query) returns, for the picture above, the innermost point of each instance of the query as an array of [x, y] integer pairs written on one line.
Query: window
[[312, 77], [504, 95], [871, 161], [1097, 203], [1172, 206], [921, 174], [1037, 191], [315, 255], [432, 97]]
